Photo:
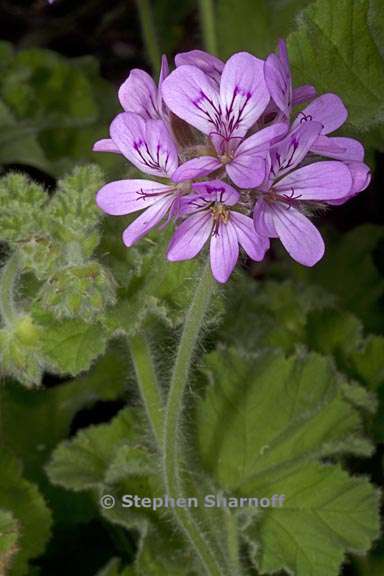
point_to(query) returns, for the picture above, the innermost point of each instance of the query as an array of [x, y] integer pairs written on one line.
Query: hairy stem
[[148, 383], [8, 277], [207, 17], [172, 426], [149, 33]]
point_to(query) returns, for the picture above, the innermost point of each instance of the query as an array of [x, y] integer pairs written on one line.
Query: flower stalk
[[148, 383], [208, 25], [149, 33], [172, 426]]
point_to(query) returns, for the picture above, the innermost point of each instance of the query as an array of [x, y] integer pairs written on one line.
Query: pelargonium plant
[[231, 159], [234, 155]]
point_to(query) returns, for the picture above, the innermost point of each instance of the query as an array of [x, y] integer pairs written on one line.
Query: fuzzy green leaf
[[263, 425], [22, 201], [325, 514], [336, 50], [83, 463], [27, 505], [71, 346], [267, 411], [49, 412], [78, 292], [9, 535]]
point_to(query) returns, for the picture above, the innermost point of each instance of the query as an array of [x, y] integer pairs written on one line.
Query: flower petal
[[164, 72], [196, 168], [211, 65], [215, 191], [290, 151], [190, 237], [254, 244], [263, 219], [318, 181], [147, 144], [298, 235], [243, 92], [302, 94], [193, 96], [147, 220], [139, 94], [361, 177], [278, 79], [126, 196], [339, 148], [248, 167], [224, 251], [327, 109], [105, 145]]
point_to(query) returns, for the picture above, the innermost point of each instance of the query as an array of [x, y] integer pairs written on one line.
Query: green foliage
[[263, 425], [115, 459], [22, 201], [28, 509], [337, 48], [266, 21], [51, 109], [290, 314], [356, 251], [8, 539], [49, 413], [326, 513]]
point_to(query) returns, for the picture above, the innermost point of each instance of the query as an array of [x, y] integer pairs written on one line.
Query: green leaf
[[9, 535], [84, 462], [78, 292], [52, 110], [72, 212], [266, 412], [49, 412], [325, 514], [25, 502], [22, 201], [336, 50], [70, 346], [149, 285], [19, 351], [263, 425]]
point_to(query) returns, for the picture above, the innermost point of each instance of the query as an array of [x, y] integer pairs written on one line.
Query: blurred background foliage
[[60, 66]]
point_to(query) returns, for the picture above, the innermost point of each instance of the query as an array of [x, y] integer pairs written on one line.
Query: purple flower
[[329, 110], [148, 145], [210, 216], [211, 65], [225, 113], [243, 111], [279, 82], [280, 210], [139, 94]]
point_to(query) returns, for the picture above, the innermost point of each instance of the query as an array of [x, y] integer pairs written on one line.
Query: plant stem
[[148, 383], [149, 33], [8, 279], [172, 429], [207, 16]]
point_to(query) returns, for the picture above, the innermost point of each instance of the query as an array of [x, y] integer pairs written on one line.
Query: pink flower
[[139, 94], [225, 112], [211, 217], [280, 210]]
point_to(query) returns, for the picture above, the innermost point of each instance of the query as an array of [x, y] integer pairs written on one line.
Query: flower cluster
[[229, 159]]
